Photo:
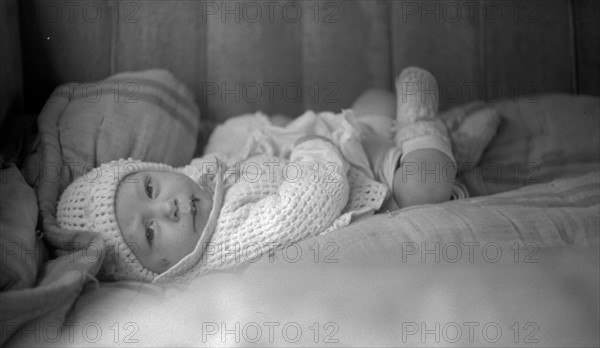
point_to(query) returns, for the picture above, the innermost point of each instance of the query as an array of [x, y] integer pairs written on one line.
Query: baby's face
[[161, 216]]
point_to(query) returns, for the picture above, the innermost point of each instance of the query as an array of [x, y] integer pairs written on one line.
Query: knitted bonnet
[[88, 203]]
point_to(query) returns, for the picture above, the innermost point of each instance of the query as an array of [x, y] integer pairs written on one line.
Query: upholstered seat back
[[289, 56]]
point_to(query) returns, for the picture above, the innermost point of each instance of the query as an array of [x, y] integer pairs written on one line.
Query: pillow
[[21, 250], [562, 212], [549, 129], [540, 138], [147, 115]]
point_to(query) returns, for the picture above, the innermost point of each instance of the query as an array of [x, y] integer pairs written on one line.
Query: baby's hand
[[308, 137]]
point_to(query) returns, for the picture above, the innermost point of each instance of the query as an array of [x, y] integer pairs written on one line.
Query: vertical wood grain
[[329, 52], [165, 35], [528, 48], [443, 37], [345, 50], [587, 43], [253, 59]]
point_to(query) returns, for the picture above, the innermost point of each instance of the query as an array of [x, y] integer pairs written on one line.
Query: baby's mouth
[[194, 205], [194, 208], [191, 208]]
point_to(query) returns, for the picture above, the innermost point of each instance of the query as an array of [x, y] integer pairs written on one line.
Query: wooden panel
[[162, 34], [444, 38], [529, 48], [65, 42], [345, 50], [241, 56], [253, 58], [587, 40]]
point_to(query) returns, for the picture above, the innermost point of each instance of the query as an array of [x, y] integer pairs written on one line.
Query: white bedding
[[386, 282], [380, 282], [552, 302]]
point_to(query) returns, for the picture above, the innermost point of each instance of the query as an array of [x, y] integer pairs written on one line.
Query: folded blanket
[[539, 139], [36, 292], [559, 213], [563, 211], [386, 271], [147, 115]]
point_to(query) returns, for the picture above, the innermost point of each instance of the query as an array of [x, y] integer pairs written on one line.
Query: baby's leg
[[375, 112], [375, 102], [416, 171], [427, 168], [376, 109]]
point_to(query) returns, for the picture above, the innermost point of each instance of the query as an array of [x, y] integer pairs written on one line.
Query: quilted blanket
[[517, 265], [477, 272]]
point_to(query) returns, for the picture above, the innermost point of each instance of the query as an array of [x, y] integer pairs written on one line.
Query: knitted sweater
[[269, 202], [291, 200]]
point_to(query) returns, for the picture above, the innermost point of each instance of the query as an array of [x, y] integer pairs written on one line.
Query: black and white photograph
[[300, 173]]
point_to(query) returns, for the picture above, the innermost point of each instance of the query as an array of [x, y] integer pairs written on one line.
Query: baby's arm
[[304, 204], [314, 201]]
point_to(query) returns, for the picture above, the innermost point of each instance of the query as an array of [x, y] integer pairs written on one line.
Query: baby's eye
[[150, 232], [149, 187]]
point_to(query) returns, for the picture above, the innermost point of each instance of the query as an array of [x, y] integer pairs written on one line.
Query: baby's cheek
[[188, 238], [206, 208]]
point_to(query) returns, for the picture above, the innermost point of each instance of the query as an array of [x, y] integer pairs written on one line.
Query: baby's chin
[[188, 247], [192, 245]]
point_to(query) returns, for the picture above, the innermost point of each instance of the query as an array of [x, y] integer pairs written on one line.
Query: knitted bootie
[[417, 106]]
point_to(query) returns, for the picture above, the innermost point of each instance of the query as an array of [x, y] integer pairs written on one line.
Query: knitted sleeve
[[319, 151], [305, 203]]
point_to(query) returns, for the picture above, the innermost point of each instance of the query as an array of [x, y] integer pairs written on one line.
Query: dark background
[[290, 56]]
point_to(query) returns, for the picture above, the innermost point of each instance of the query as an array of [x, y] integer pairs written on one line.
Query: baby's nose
[[172, 210]]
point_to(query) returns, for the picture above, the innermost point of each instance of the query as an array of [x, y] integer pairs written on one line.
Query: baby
[[318, 174]]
